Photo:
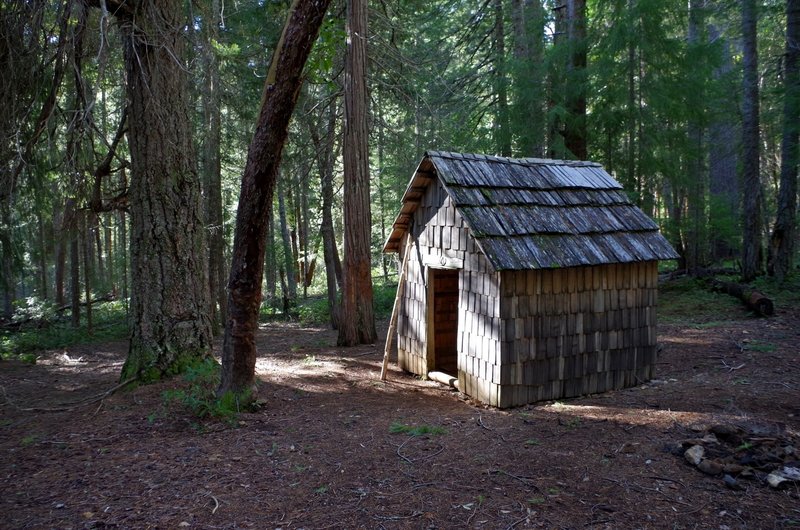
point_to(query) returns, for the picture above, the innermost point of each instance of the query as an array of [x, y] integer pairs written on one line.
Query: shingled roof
[[534, 213]]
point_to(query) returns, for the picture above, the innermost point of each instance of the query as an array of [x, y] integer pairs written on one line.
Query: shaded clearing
[[336, 447]]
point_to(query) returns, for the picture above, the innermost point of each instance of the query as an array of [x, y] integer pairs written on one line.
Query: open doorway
[[443, 321]]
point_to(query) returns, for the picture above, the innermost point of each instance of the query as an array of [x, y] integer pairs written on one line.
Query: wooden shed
[[527, 279]]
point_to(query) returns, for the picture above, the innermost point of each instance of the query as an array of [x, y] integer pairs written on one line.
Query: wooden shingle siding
[[438, 229], [557, 275], [568, 332]]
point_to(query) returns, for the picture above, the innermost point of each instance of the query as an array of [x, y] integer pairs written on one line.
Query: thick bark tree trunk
[[123, 238], [785, 229], [357, 323], [212, 170], [751, 223], [169, 302], [258, 184]]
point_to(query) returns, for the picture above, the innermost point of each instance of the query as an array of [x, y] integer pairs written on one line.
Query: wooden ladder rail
[[401, 283]]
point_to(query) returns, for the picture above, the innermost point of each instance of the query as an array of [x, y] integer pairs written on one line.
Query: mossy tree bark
[[281, 89], [169, 311]]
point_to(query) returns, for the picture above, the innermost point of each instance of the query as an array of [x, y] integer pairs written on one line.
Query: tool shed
[[525, 279]]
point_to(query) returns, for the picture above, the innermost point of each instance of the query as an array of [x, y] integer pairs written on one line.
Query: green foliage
[[34, 309], [786, 294], [415, 430], [110, 323], [383, 299], [759, 346], [199, 396], [686, 301], [314, 310]]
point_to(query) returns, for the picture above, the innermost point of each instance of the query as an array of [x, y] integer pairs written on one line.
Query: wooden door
[[443, 321]]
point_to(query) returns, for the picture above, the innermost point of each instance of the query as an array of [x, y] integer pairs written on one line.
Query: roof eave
[[420, 180]]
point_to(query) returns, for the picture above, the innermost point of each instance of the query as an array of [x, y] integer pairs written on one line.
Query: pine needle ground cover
[[334, 445]]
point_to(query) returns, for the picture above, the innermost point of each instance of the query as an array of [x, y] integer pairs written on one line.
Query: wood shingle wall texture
[[569, 332]]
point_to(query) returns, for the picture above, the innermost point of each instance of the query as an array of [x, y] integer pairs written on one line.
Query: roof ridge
[[509, 160]]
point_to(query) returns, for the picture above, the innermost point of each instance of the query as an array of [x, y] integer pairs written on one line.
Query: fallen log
[[752, 298]]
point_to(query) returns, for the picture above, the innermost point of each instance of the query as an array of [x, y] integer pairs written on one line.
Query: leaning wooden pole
[[401, 283]]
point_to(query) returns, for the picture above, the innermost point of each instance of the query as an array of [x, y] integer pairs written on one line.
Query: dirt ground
[[322, 454]]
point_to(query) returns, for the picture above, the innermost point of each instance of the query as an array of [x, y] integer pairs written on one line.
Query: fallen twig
[[72, 405], [397, 517], [480, 422], [732, 368], [515, 523], [216, 504], [525, 480], [401, 455]]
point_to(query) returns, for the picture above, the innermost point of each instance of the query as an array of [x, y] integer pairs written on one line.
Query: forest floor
[[334, 447]]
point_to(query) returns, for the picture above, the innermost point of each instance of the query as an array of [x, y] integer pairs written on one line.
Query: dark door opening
[[443, 322]]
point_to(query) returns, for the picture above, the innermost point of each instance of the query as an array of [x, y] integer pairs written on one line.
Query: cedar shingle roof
[[533, 213]]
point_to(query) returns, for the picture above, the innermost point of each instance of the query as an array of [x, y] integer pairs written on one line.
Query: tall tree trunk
[[325, 161], [59, 228], [212, 169], [722, 161], [109, 245], [502, 129], [125, 246], [270, 258], [632, 109], [575, 126], [696, 153], [43, 290], [124, 243], [557, 82], [169, 302], [357, 323], [98, 250], [528, 118], [258, 185], [304, 233], [381, 184], [7, 260], [785, 229], [288, 255], [751, 167], [74, 263], [87, 270]]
